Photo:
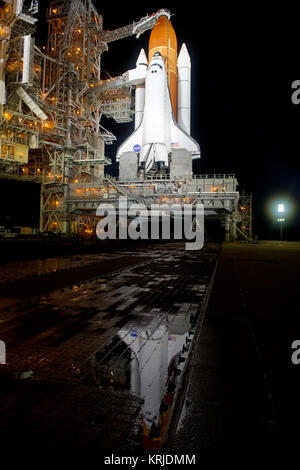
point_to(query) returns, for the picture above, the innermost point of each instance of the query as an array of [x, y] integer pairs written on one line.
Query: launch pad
[[52, 99], [221, 201]]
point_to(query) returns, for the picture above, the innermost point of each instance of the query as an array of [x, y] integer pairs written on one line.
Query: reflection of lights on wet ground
[[24, 269], [152, 308]]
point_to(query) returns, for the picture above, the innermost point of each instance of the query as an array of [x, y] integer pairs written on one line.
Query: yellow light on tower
[[7, 115]]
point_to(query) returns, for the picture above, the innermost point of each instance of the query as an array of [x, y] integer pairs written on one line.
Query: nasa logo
[[137, 148], [133, 333]]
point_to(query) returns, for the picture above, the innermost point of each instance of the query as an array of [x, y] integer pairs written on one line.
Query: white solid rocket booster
[[184, 90], [141, 65]]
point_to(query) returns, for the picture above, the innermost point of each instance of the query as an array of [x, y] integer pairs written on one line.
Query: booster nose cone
[[163, 40], [142, 59], [184, 59]]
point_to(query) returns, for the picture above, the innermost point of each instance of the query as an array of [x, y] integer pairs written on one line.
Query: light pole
[[280, 211]]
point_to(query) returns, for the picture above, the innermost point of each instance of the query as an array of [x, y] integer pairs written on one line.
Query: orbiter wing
[[133, 143]]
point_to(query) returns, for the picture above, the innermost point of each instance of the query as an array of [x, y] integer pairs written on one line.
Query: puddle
[[145, 358], [29, 268]]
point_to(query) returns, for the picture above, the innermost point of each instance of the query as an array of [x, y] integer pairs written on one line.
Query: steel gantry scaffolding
[[52, 100], [50, 126], [244, 227]]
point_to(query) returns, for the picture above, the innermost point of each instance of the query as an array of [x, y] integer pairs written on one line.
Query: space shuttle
[[162, 102]]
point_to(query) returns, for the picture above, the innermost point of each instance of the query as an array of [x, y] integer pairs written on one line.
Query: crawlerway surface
[[97, 365], [244, 388]]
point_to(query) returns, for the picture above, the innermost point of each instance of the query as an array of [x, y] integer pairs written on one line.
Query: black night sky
[[244, 61]]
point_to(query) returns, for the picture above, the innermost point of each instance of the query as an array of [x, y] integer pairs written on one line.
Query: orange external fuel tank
[[163, 39]]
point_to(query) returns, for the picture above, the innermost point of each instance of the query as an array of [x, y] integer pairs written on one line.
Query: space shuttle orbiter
[[162, 96]]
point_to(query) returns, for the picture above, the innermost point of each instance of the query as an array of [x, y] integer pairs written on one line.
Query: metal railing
[[220, 176]]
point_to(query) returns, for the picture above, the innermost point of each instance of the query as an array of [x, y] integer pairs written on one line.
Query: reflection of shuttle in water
[[153, 350], [146, 360]]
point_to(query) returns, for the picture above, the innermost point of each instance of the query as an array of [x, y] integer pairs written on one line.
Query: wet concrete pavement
[[244, 390], [97, 365], [68, 271], [100, 365]]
